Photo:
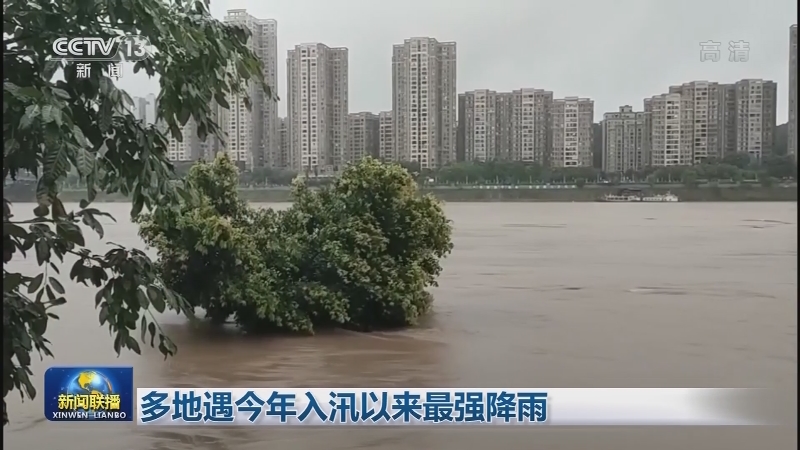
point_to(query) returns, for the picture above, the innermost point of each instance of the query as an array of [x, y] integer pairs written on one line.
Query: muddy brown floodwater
[[540, 295]]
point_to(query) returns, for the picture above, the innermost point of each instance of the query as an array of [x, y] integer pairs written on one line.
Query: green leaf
[[118, 343], [143, 302], [31, 92], [12, 89], [156, 299], [143, 328], [71, 233], [56, 163], [151, 328], [35, 283], [85, 161], [98, 297], [49, 113], [41, 211], [60, 93], [58, 210], [10, 229], [80, 138], [219, 97], [43, 197], [103, 314], [56, 285], [133, 345], [11, 281], [90, 221], [31, 113], [42, 252]]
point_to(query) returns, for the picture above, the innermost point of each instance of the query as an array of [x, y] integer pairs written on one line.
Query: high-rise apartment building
[[283, 142], [252, 135], [477, 126], [424, 101], [625, 140], [706, 102], [140, 108], [386, 151], [531, 120], [363, 136], [317, 103], [727, 126], [792, 144], [571, 122], [186, 149], [508, 119], [756, 108], [504, 126], [152, 106], [720, 119], [144, 108], [671, 133], [191, 147]]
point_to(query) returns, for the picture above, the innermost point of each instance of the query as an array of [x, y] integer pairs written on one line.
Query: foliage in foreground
[[53, 127], [359, 253]]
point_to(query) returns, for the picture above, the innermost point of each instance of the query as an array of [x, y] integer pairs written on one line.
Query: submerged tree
[[358, 253], [55, 123]]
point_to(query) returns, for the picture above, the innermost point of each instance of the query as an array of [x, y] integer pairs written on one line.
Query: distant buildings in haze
[[691, 124], [432, 125]]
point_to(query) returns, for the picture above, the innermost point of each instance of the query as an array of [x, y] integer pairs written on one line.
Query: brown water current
[[534, 295]]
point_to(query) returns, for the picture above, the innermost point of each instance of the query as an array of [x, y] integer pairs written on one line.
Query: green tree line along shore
[[734, 169], [358, 253]]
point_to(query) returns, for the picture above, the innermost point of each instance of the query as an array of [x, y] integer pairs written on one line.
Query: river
[[534, 294]]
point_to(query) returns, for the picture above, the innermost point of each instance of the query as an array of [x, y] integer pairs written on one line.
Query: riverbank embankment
[[555, 193]]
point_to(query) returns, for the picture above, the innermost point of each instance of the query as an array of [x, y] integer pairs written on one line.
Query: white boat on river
[[634, 197]]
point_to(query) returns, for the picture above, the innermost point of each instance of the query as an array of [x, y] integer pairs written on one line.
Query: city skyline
[[625, 60]]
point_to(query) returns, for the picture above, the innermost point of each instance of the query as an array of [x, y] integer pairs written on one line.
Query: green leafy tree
[[55, 123], [736, 175], [689, 178], [375, 242], [204, 241], [765, 179], [358, 253], [738, 159], [781, 166]]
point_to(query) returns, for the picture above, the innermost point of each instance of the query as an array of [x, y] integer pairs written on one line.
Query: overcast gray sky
[[616, 52]]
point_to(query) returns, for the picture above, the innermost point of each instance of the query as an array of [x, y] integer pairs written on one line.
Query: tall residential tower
[[424, 101], [571, 122], [671, 131], [504, 125], [317, 106], [755, 116], [706, 101], [252, 135], [477, 125], [386, 150], [363, 136], [625, 140]]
